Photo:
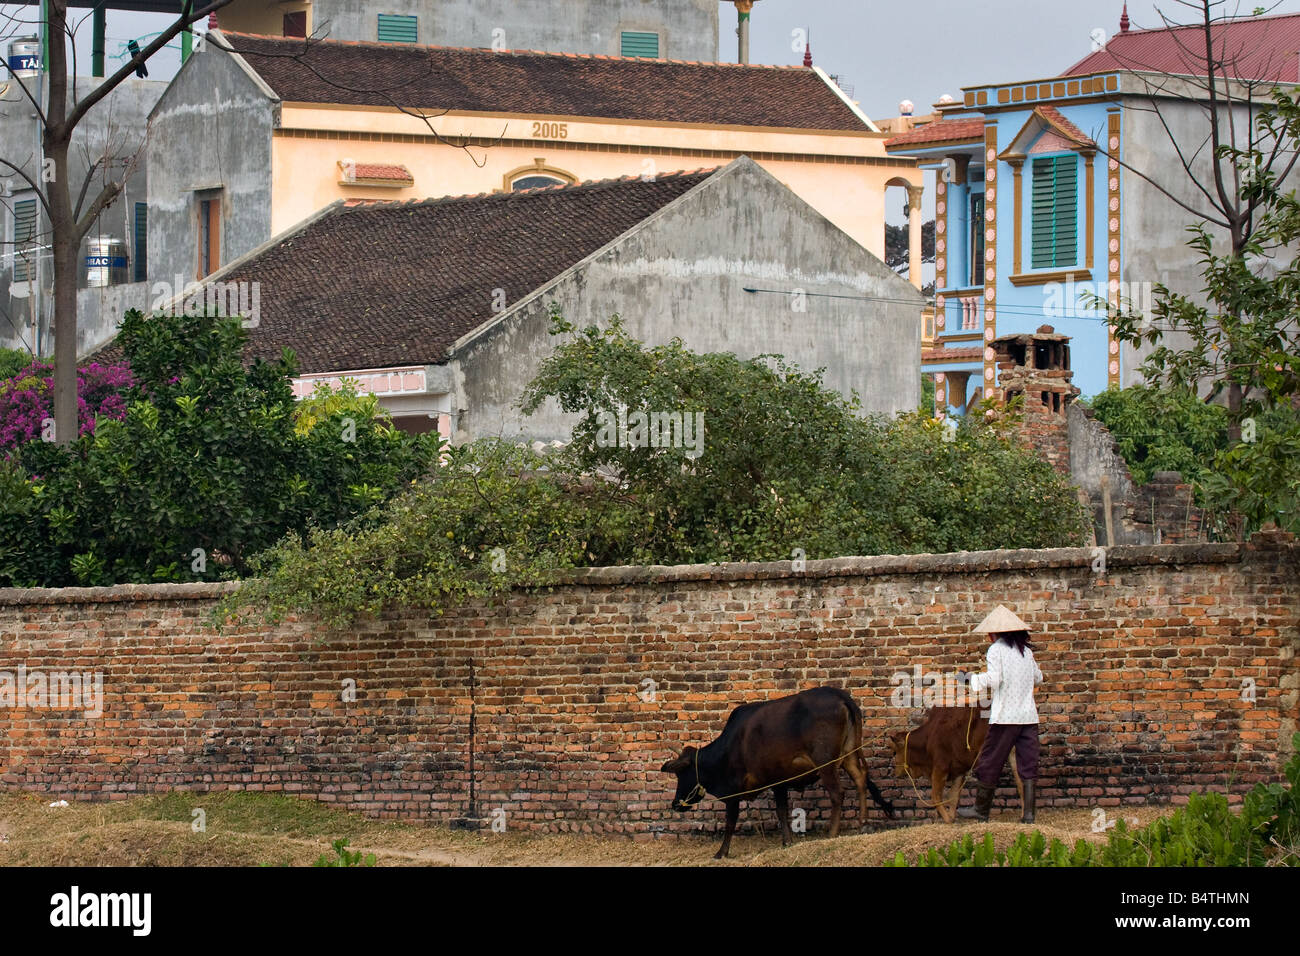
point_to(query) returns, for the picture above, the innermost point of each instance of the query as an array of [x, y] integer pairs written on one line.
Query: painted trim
[[1089, 226], [991, 190], [1113, 241], [847, 159], [1017, 239], [537, 168], [857, 110], [1042, 278]]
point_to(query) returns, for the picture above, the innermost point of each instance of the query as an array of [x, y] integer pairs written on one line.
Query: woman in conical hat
[[1011, 676]]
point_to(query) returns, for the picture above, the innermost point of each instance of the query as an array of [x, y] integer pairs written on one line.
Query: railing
[[960, 311]]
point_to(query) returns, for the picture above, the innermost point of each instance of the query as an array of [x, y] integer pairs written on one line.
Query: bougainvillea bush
[[27, 400]]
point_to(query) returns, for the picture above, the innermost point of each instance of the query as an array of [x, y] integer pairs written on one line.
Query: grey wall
[[1154, 228], [116, 127], [211, 129], [688, 29], [683, 273]]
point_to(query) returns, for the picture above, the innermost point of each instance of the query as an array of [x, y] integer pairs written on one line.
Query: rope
[[964, 780], [692, 797]]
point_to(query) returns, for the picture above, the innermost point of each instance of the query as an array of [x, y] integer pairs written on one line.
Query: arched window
[[537, 175], [535, 182]]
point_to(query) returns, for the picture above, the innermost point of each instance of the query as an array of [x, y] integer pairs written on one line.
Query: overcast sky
[[886, 51]]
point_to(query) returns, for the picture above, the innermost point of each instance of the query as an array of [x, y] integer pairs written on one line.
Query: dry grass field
[[251, 829]]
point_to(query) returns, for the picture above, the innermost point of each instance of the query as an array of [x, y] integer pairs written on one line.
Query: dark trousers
[[997, 746]]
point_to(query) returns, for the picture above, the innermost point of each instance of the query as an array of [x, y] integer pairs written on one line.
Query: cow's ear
[[680, 763]]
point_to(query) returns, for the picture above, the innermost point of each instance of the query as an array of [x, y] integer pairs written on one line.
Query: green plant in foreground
[[344, 857], [1204, 833]]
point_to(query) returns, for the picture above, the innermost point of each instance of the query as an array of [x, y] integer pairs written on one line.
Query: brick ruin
[[1068, 435]]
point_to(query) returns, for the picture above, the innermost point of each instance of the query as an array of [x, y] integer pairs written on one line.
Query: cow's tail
[[855, 721]]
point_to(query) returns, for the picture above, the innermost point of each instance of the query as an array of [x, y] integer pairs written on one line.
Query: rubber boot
[[983, 803], [1028, 815]]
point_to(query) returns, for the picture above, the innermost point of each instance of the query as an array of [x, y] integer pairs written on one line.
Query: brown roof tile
[[382, 284], [951, 355], [1064, 126], [544, 84], [944, 131]]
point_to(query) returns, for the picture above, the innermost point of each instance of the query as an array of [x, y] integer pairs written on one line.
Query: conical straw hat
[[1000, 619]]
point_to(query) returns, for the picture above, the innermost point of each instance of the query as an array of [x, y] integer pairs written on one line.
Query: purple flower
[[27, 400]]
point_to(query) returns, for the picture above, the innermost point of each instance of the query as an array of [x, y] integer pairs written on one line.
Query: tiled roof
[[544, 84], [1264, 48], [376, 172], [1063, 125], [944, 131], [937, 355], [384, 284]]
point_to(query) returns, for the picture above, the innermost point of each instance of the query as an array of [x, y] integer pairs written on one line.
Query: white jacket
[[1011, 677]]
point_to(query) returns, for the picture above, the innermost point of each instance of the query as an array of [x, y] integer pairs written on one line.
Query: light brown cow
[[945, 747]]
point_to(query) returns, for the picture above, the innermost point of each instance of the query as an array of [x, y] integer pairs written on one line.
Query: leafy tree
[[897, 244], [13, 361], [1239, 336], [1163, 429], [786, 468], [204, 470]]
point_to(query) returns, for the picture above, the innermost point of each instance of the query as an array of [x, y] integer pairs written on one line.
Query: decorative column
[[990, 255], [1018, 203], [914, 194], [1112, 242]]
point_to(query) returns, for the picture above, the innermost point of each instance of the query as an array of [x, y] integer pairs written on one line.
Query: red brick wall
[[1143, 700]]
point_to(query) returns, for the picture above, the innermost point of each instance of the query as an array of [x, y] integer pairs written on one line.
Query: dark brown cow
[[945, 747], [779, 745]]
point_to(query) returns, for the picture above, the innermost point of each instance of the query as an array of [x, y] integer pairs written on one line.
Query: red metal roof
[[1259, 48], [944, 131]]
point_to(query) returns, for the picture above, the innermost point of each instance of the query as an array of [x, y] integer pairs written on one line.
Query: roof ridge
[[503, 195], [488, 51], [1226, 21]]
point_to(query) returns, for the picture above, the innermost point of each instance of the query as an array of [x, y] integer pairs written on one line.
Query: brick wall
[[1145, 661]]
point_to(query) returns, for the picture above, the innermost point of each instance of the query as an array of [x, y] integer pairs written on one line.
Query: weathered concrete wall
[[116, 127], [683, 274], [1171, 671], [212, 130], [688, 29], [1154, 227], [1160, 511]]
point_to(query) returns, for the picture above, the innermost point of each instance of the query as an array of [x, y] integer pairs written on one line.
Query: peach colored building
[[275, 129]]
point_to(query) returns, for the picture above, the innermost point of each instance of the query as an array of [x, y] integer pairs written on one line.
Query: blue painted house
[[1039, 200]]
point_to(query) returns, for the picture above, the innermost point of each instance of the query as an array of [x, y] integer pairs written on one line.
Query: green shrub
[[344, 857], [787, 469], [1203, 833], [205, 470]]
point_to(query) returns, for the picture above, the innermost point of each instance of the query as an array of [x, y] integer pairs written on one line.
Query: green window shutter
[[141, 241], [24, 233], [640, 44], [1054, 212], [397, 28]]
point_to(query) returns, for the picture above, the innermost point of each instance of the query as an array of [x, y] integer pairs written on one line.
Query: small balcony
[[959, 311]]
